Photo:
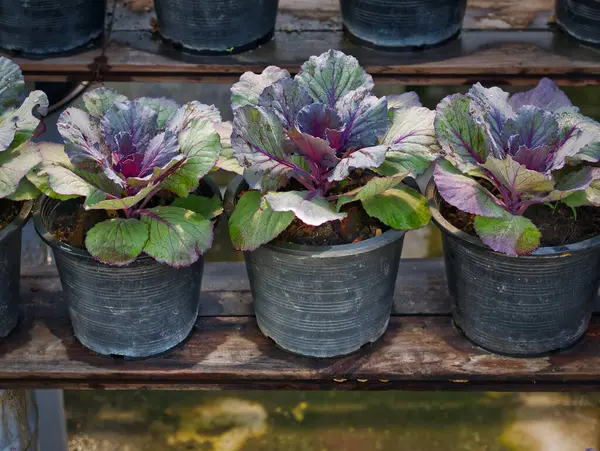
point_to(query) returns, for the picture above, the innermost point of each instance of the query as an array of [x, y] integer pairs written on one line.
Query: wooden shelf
[[507, 42], [420, 351]]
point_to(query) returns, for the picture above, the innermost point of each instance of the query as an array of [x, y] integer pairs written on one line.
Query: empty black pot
[[10, 270], [49, 26], [580, 18], [138, 310], [397, 24], [322, 301], [522, 306], [216, 26]]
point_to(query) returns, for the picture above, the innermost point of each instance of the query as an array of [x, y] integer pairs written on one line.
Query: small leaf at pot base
[[117, 241], [310, 210], [401, 208], [177, 237], [254, 222], [512, 235], [206, 207]]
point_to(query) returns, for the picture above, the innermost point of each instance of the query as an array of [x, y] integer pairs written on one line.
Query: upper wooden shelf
[[420, 351], [504, 42]]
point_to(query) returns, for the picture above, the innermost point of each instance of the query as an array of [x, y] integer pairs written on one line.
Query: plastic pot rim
[[19, 222], [303, 250], [433, 196], [55, 243]]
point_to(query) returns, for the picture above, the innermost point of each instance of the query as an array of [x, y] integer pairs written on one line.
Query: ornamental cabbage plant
[[299, 138], [503, 154], [19, 122], [138, 160]]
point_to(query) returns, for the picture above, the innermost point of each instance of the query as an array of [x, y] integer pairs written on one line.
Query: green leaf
[[376, 185], [313, 210], [98, 200], [401, 208], [25, 191], [178, 237], [15, 164], [165, 108], [98, 101], [251, 85], [227, 160], [510, 234], [52, 154], [65, 182], [516, 177], [117, 241], [19, 125], [200, 143], [254, 222], [206, 207]]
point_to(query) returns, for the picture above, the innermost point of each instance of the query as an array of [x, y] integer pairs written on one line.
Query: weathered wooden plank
[[421, 288]]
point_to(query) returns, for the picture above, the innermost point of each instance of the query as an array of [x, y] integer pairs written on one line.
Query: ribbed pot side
[[580, 18], [216, 26], [397, 24], [523, 306], [138, 310], [10, 270], [49, 26]]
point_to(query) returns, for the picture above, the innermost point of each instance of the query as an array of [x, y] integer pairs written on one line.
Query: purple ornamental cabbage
[[316, 128], [120, 155], [533, 147], [19, 122]]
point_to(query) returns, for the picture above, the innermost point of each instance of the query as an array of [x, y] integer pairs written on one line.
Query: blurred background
[[318, 421]]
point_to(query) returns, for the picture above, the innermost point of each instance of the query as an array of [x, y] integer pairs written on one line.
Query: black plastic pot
[[580, 18], [138, 310], [401, 24], [322, 301], [49, 26], [521, 306], [10, 270], [216, 26]]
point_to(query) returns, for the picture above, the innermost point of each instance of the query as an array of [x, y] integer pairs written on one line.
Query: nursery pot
[[49, 26], [521, 306], [216, 26], [397, 24], [580, 18], [10, 270], [322, 301], [138, 310]]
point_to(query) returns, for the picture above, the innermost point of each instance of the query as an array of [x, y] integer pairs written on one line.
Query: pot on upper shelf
[[10, 269], [322, 301], [397, 24], [580, 19], [138, 310], [523, 306], [216, 26], [49, 26]]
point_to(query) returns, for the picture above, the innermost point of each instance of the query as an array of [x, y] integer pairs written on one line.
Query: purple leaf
[[369, 157], [131, 117], [82, 137], [516, 177], [331, 75], [365, 117], [534, 159], [317, 119], [511, 234], [286, 98], [545, 95], [314, 149], [531, 127], [465, 193]]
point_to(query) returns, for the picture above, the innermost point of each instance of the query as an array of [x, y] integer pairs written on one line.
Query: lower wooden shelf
[[420, 351]]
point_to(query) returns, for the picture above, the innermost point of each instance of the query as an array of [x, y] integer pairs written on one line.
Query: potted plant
[[216, 26], [516, 198], [580, 18], [396, 24], [127, 235], [49, 26], [19, 122], [323, 208]]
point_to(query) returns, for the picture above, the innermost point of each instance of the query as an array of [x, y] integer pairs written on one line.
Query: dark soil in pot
[[402, 24], [528, 305], [13, 216], [49, 26], [138, 310], [216, 26], [580, 19], [323, 300]]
